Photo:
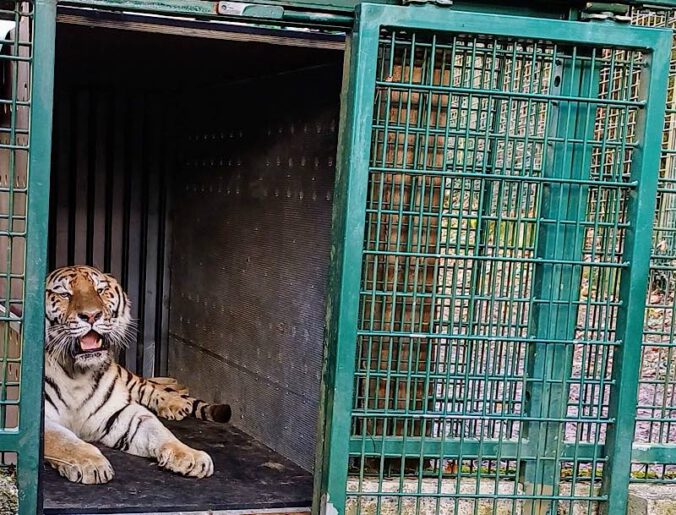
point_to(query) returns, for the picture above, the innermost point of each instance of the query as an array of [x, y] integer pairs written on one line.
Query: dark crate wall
[[111, 164], [116, 108], [251, 217]]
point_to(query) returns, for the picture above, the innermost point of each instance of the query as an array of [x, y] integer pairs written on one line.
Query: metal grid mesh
[[15, 67], [499, 172], [656, 415]]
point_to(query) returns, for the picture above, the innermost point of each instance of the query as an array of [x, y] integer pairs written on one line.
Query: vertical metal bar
[[151, 248], [634, 283], [164, 249], [62, 172], [348, 222], [79, 198], [100, 175], [30, 418], [170, 152], [90, 171], [556, 285], [110, 207]]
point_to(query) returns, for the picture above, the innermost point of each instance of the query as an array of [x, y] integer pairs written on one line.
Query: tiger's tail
[[212, 412]]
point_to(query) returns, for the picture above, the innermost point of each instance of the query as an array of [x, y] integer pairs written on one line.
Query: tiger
[[89, 398]]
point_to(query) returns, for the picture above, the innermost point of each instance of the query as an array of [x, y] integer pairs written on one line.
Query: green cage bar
[[27, 59], [654, 454], [561, 241]]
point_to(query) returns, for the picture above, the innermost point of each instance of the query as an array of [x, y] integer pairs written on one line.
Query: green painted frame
[[350, 213], [26, 440]]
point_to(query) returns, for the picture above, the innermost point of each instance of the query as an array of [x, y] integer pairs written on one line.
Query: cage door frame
[[36, 53], [355, 147]]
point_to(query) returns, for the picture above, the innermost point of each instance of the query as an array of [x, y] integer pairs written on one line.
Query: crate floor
[[247, 475]]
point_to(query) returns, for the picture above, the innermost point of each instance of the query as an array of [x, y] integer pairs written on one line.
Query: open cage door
[[493, 211]]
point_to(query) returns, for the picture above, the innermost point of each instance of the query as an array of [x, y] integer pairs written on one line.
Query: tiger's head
[[87, 317]]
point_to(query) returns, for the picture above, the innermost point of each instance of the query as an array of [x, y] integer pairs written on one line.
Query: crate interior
[[200, 171]]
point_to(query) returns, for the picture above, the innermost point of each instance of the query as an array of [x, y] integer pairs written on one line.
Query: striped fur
[[90, 398]]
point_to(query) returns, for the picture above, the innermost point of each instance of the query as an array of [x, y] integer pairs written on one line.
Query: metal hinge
[[442, 3], [603, 11], [272, 12]]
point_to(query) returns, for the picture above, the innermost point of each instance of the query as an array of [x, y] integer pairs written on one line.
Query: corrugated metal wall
[[251, 253], [112, 161]]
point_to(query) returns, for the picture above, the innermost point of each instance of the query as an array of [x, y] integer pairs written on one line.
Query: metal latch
[[603, 11], [272, 12], [443, 3]]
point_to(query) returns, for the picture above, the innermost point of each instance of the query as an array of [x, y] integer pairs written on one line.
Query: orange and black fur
[[90, 398]]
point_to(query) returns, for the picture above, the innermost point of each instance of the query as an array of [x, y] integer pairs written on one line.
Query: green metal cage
[[499, 333]]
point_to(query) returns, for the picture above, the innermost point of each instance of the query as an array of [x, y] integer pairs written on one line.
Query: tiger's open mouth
[[91, 342]]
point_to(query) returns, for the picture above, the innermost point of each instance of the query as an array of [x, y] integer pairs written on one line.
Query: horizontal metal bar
[[197, 28], [485, 338], [467, 448], [378, 294], [451, 173], [209, 9], [479, 93], [542, 261], [577, 33], [452, 416], [11, 439], [654, 453]]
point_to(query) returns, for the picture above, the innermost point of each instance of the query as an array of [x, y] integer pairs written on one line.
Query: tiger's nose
[[90, 316]]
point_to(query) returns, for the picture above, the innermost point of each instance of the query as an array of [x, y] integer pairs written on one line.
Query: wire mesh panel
[[502, 262], [656, 417], [26, 70]]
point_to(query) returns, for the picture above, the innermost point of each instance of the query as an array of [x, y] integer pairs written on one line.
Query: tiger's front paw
[[87, 466], [174, 407], [184, 460], [168, 384]]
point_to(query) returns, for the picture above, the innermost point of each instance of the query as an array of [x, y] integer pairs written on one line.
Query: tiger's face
[[87, 317]]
